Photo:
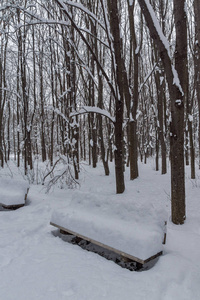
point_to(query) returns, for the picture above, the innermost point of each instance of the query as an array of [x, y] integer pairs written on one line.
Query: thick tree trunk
[[177, 145], [119, 103], [133, 140], [176, 99], [197, 58]]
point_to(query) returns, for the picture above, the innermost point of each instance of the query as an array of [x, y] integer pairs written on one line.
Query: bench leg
[[64, 232]]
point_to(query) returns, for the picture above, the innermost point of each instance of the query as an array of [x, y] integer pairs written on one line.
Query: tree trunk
[[133, 140], [177, 142], [119, 103], [176, 99], [197, 58]]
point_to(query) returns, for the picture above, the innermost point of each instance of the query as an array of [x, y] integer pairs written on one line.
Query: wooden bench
[[15, 206], [13, 193], [126, 257]]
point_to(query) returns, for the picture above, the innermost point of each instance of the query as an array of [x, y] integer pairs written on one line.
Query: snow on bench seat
[[136, 241], [13, 192]]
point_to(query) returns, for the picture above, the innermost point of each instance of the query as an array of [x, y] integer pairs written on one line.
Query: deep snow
[[124, 222], [34, 264], [13, 191]]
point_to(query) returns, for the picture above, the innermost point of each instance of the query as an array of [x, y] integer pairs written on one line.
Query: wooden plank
[[165, 234], [122, 254], [26, 195], [13, 207]]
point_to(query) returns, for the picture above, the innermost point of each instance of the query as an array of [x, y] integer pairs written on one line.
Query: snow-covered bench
[[13, 193], [133, 242]]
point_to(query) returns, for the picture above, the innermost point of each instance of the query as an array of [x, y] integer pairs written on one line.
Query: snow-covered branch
[[160, 39], [65, 11], [92, 109], [84, 9]]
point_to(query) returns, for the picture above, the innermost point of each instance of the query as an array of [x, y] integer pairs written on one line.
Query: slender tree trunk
[[1, 108], [42, 116], [18, 115], [22, 60], [8, 130], [75, 129], [100, 102], [159, 79]]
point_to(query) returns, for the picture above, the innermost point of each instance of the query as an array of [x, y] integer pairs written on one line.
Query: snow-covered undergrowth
[[34, 264]]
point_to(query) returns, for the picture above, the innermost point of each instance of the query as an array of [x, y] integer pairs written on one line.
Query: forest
[[101, 81], [99, 149]]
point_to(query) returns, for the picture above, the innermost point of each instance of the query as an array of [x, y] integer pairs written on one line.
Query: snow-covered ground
[[34, 264]]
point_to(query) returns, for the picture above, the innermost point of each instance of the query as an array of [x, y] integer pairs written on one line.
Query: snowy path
[[35, 265]]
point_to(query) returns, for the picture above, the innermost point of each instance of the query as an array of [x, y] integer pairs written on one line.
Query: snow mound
[[12, 191], [114, 223]]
